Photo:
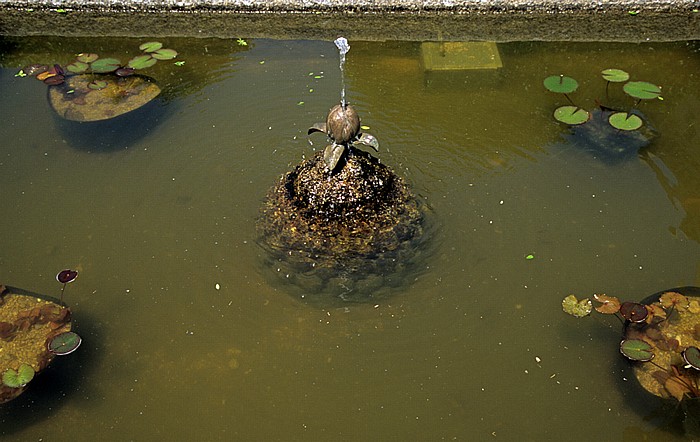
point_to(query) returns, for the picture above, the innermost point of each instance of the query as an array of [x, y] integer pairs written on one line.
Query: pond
[[189, 335]]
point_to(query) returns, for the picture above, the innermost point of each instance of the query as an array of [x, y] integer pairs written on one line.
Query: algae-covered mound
[[27, 324], [347, 232]]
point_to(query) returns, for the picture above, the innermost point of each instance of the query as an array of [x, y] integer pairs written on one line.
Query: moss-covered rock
[[350, 232]]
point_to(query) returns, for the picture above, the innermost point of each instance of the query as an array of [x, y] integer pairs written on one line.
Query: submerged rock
[[352, 232], [605, 142]]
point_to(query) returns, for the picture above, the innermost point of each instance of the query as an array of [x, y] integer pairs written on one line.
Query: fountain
[[341, 224]]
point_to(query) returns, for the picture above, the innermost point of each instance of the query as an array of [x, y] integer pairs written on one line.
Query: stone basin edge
[[465, 20]]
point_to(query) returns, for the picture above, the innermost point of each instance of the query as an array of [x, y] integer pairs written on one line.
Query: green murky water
[[158, 213]]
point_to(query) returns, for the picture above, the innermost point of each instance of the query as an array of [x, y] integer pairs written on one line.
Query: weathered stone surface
[[328, 231]]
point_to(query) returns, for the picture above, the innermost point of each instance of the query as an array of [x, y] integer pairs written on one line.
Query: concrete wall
[[493, 20]]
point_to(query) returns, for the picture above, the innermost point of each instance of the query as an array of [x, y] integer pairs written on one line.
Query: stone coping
[[492, 20]]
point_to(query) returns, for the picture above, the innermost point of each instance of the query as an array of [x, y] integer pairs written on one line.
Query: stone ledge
[[494, 20]]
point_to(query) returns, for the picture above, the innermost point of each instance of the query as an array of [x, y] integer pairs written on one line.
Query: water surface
[[188, 337]]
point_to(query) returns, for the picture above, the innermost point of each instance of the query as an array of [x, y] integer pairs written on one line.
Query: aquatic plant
[[64, 343], [64, 277], [666, 329], [90, 63], [624, 120], [18, 378]]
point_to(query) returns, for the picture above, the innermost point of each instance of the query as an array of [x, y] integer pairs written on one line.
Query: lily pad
[[164, 54], [637, 350], [64, 343], [151, 46], [105, 65], [87, 58], [634, 312], [691, 355], [142, 62], [77, 67], [625, 121], [66, 276], [642, 90], [615, 75], [572, 115], [577, 308], [610, 304], [560, 84], [19, 378], [119, 96]]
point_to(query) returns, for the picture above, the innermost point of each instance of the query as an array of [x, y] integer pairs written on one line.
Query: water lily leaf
[[615, 75], [142, 62], [642, 90], [694, 306], [610, 304], [691, 355], [571, 115], [19, 378], [67, 275], [577, 308], [151, 46], [560, 84], [637, 350], [674, 299], [55, 80], [87, 58], [64, 343], [105, 65], [625, 121], [78, 67], [634, 312], [164, 54], [676, 388], [97, 85]]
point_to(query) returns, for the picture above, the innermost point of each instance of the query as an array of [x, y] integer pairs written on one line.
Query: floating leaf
[[19, 378], [78, 67], [97, 85], [151, 46], [642, 90], [87, 58], [625, 121], [637, 350], [633, 311], [55, 80], [142, 62], [676, 387], [41, 76], [64, 343], [694, 306], [571, 115], [577, 308], [66, 276], [615, 75], [675, 300], [124, 72], [610, 304], [560, 84], [35, 69], [691, 355], [105, 65], [164, 54], [241, 42]]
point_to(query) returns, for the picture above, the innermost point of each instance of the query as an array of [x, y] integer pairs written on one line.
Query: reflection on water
[[187, 337]]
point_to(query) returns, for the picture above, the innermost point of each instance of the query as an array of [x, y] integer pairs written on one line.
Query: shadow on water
[[116, 133]]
